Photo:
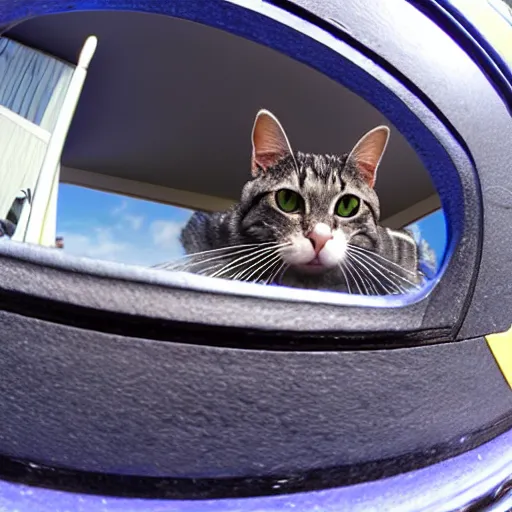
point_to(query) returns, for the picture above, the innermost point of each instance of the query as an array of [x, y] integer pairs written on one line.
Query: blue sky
[[111, 227], [107, 226]]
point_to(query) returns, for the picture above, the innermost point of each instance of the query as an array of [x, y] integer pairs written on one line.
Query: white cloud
[[121, 236], [133, 221], [100, 244], [119, 209], [165, 233], [117, 244]]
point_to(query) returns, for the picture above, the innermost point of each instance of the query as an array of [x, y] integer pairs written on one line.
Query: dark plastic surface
[[115, 404], [105, 396]]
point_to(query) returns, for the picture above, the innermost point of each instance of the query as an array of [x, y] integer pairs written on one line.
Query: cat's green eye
[[288, 200], [347, 206]]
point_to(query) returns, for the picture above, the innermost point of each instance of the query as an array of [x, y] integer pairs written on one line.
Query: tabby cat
[[305, 220]]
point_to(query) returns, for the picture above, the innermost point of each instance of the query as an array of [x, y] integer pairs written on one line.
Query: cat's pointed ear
[[269, 142], [368, 152]]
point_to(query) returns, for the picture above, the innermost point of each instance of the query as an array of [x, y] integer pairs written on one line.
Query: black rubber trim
[[39, 475], [137, 326]]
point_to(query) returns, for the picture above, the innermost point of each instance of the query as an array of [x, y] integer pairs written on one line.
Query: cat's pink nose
[[320, 235]]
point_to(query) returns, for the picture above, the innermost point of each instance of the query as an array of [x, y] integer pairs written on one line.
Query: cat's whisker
[[186, 267], [262, 256], [228, 269], [259, 264], [361, 278], [365, 281], [368, 283], [274, 273], [396, 288], [228, 248], [222, 264], [349, 266], [222, 258], [368, 277], [280, 275], [371, 281], [367, 271], [245, 252], [376, 264], [390, 288], [351, 276], [389, 285], [242, 261], [379, 256], [204, 271], [268, 268], [345, 277], [198, 255], [238, 275]]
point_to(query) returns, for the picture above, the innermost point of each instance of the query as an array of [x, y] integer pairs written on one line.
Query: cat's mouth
[[314, 266]]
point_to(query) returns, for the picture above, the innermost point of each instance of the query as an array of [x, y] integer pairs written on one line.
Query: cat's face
[[314, 205]]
